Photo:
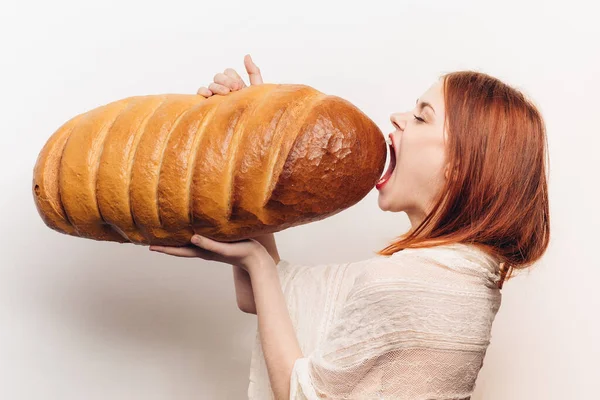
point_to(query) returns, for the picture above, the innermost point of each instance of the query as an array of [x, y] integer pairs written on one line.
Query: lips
[[390, 169]]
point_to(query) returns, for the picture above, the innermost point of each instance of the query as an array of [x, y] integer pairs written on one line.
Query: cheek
[[419, 160], [408, 157]]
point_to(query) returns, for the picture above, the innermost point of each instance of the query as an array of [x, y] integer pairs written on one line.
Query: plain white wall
[[81, 319]]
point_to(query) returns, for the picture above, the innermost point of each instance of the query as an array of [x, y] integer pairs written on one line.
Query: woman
[[414, 321]]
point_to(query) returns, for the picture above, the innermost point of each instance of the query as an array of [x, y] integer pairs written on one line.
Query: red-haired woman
[[468, 166]]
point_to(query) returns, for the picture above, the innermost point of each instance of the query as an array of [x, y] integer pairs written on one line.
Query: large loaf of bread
[[156, 169]]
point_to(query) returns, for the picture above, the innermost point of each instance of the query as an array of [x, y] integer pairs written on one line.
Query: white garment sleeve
[[400, 336], [287, 270], [353, 346], [311, 293]]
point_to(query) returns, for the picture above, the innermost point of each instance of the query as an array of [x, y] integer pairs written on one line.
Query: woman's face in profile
[[419, 147]]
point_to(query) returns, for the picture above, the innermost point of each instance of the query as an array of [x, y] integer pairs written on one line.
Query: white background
[[81, 319]]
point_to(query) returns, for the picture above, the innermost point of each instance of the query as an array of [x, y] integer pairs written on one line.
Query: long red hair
[[497, 196]]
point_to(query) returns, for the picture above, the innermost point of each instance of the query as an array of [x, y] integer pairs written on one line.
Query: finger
[[220, 248], [206, 243], [203, 91], [228, 81], [253, 71], [175, 251], [234, 75], [218, 88], [185, 251]]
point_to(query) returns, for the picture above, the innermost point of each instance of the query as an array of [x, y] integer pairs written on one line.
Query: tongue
[[388, 173]]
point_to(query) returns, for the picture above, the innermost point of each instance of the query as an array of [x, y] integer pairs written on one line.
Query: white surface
[[86, 320]]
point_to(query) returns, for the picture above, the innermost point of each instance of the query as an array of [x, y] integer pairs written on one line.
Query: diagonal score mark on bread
[[114, 173], [147, 164], [228, 148], [176, 170], [46, 187], [236, 151], [269, 147], [78, 172]]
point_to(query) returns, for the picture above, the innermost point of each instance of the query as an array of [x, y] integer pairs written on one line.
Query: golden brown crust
[[226, 143], [46, 192], [78, 172], [143, 187], [156, 169], [266, 143], [116, 161], [177, 167]]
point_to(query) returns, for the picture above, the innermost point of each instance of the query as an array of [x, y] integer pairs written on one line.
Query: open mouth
[[390, 169]]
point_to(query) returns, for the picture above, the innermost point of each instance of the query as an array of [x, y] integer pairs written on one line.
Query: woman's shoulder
[[448, 264], [443, 283]]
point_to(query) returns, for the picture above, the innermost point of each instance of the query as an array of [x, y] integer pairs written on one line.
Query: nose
[[398, 120]]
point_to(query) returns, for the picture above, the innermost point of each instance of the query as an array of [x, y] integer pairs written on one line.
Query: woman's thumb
[[253, 71]]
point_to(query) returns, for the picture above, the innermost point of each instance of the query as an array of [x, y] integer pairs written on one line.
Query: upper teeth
[[388, 140]]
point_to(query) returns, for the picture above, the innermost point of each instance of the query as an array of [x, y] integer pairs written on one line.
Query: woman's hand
[[245, 254], [229, 80]]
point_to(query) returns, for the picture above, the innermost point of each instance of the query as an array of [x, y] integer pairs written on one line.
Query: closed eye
[[419, 118]]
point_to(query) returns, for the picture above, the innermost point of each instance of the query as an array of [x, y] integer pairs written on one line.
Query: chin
[[382, 205], [391, 202], [384, 202]]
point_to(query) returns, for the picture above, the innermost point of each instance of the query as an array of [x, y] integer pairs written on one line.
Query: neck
[[415, 217]]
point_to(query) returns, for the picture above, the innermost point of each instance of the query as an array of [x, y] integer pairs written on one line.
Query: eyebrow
[[424, 104]]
